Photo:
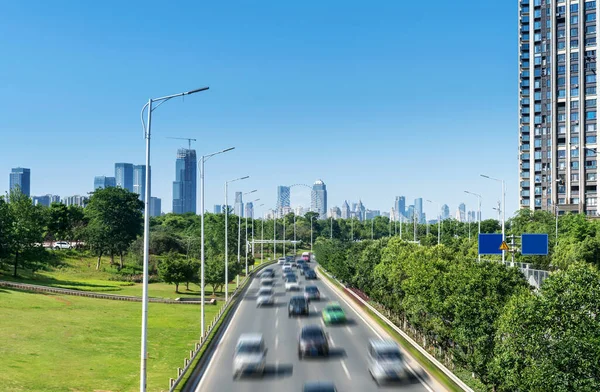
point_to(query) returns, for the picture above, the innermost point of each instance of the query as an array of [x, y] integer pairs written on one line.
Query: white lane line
[[276, 341], [375, 332], [277, 310], [349, 330], [315, 308], [346, 370], [331, 340], [276, 323]]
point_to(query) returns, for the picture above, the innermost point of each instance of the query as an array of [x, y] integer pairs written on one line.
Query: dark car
[[319, 386], [300, 263], [298, 306], [267, 273], [313, 341], [304, 268], [310, 275], [289, 275]]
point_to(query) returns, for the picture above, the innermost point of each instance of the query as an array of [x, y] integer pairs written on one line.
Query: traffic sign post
[[534, 244]]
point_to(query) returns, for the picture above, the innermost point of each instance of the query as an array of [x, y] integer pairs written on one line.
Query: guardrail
[[424, 352], [187, 362]]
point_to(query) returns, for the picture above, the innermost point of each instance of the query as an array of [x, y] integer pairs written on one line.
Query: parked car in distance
[[298, 306], [386, 362], [250, 355], [319, 386], [333, 314], [313, 341], [310, 274], [61, 245], [264, 297]]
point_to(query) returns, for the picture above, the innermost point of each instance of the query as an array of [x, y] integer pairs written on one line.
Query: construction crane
[[184, 138]]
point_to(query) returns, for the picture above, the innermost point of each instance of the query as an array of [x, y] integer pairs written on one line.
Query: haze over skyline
[[341, 92]]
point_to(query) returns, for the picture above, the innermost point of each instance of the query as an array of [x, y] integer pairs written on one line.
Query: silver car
[[265, 297], [386, 362], [250, 355]]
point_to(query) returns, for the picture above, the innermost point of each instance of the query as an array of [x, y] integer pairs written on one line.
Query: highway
[[346, 366]]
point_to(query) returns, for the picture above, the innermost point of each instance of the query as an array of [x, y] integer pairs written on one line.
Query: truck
[[306, 257]]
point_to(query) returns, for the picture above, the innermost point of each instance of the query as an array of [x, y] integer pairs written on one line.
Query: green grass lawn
[[79, 273], [67, 343]]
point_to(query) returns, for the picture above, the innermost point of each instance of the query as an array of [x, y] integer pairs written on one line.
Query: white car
[[265, 297], [266, 282], [287, 268], [250, 355], [61, 245], [292, 285], [386, 362], [281, 261]]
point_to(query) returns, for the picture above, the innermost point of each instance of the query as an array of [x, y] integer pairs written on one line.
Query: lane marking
[[346, 370], [277, 310], [276, 341], [349, 330], [327, 283], [276, 323]]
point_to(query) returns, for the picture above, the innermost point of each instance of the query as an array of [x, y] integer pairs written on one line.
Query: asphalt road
[[346, 365]]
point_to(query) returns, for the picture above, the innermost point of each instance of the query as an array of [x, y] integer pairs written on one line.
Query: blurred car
[[304, 268], [298, 306], [267, 273], [291, 284], [250, 355], [267, 282], [312, 293], [281, 261], [306, 257], [386, 362], [264, 297], [310, 274], [319, 386], [333, 314], [313, 341], [287, 268], [61, 245], [289, 258], [289, 274]]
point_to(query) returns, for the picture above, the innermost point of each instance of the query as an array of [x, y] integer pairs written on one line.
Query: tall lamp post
[[239, 255], [439, 220], [478, 215], [503, 208], [147, 132], [331, 229], [226, 235], [311, 233], [262, 237], [203, 159], [294, 234], [247, 236]]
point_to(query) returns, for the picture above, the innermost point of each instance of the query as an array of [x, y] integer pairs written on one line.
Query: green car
[[333, 314]]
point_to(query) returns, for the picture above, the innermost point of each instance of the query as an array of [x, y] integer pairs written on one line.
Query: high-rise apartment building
[[283, 196], [20, 178], [124, 175], [319, 199], [184, 186], [345, 211], [139, 181], [104, 182], [335, 212], [45, 200], [419, 210], [558, 105], [238, 205], [400, 205], [75, 200]]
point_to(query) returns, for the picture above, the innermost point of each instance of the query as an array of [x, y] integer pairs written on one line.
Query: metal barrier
[[187, 363], [535, 277], [424, 352]]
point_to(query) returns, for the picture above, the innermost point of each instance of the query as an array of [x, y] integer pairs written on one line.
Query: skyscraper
[[75, 200], [319, 199], [124, 175], [445, 212], [45, 200], [335, 212], [400, 205], [419, 210], [410, 213], [104, 182], [345, 211], [139, 181], [20, 178], [558, 105], [360, 211], [462, 212], [155, 206], [218, 208], [184, 186], [249, 210], [283, 196], [238, 206]]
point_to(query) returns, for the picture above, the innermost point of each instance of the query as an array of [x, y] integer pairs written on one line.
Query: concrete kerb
[[424, 352], [223, 312]]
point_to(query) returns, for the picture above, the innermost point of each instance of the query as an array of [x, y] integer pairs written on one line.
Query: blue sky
[[378, 99]]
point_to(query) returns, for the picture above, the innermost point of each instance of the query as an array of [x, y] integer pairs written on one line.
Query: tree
[[214, 272], [27, 231], [59, 224], [5, 231], [115, 220], [174, 269]]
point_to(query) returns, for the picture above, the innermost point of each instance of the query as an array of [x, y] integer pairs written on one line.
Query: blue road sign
[[489, 244], [534, 244]]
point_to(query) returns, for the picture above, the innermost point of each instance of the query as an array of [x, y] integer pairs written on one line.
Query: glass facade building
[[238, 205], [104, 182], [319, 199], [184, 186], [558, 105], [139, 181], [124, 175], [20, 178]]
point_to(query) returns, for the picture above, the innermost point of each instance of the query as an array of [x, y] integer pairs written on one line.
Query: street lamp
[[331, 229], [262, 236], [203, 159], [372, 228], [311, 233], [147, 132], [439, 220], [503, 208], [294, 234], [226, 235], [239, 256], [478, 215], [247, 235]]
